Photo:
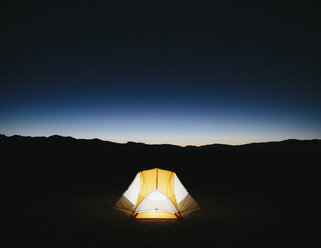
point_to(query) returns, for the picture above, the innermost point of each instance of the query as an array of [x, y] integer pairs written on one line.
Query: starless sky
[[192, 74]]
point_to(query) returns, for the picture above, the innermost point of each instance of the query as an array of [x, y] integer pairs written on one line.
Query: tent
[[156, 193]]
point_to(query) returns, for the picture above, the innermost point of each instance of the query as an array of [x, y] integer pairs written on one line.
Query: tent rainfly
[[156, 193]]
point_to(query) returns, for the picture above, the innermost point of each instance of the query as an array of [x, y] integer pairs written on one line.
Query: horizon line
[[138, 142]]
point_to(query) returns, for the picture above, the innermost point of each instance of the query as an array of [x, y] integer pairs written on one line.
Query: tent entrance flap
[[156, 201]]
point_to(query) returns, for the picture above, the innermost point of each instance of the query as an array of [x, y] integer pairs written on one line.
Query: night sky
[[192, 74]]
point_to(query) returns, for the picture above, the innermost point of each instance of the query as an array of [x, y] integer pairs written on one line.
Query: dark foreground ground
[[59, 192]]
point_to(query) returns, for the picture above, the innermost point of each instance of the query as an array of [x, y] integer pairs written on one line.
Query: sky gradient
[[213, 74]]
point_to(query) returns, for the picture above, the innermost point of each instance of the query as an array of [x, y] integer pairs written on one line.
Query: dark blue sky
[[224, 73]]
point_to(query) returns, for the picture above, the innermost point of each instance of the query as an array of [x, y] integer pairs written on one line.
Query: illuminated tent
[[156, 193]]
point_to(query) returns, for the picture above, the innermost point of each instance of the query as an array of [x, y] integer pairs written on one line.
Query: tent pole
[[156, 178]]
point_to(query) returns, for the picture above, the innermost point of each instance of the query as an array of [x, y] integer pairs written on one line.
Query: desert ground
[[60, 193]]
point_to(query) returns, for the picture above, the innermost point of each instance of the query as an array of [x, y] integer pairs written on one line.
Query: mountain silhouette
[[285, 145]]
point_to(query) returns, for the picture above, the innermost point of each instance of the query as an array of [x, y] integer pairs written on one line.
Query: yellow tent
[[156, 193]]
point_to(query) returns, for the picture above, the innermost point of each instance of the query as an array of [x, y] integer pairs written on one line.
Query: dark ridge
[[221, 147], [286, 145]]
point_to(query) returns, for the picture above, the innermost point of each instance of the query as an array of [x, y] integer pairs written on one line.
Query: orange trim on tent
[[155, 215]]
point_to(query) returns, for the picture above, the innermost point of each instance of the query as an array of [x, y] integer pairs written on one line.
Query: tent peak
[[156, 168]]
